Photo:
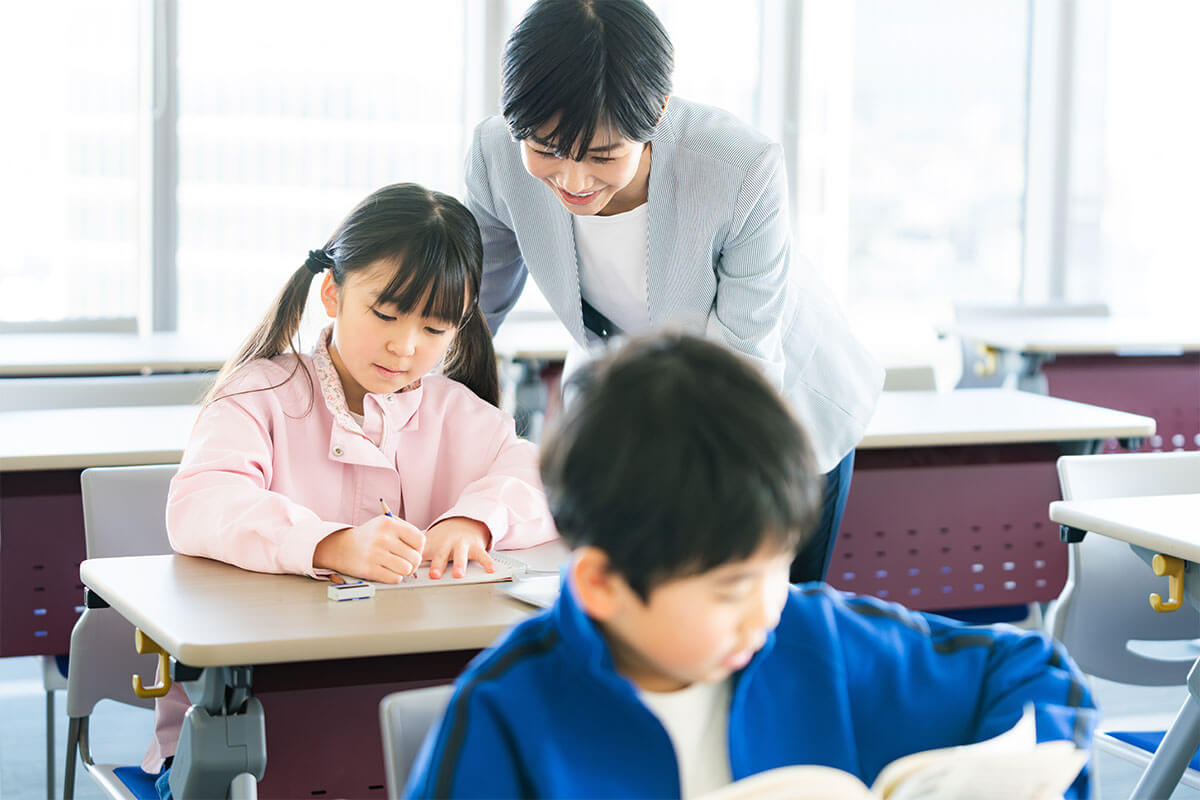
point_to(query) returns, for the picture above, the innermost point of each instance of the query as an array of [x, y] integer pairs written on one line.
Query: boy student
[[678, 657]]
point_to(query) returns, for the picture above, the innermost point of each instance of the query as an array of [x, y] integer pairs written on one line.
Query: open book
[[1011, 766], [510, 565]]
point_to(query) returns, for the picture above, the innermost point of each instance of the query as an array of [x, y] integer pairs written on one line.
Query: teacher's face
[[612, 177]]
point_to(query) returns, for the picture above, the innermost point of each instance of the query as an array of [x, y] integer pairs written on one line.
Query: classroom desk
[[297, 644], [1145, 365], [934, 471], [1164, 524], [946, 509], [42, 453], [25, 355]]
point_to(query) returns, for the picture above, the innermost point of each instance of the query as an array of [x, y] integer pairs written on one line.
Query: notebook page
[[505, 570]]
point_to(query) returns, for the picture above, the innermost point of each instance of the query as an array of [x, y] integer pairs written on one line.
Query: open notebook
[[510, 565]]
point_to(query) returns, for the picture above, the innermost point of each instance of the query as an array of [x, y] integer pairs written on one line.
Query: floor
[[120, 734]]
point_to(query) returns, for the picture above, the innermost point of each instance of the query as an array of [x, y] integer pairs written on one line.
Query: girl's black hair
[[434, 244], [591, 63], [677, 457]]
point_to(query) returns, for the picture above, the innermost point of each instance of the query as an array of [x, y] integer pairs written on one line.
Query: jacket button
[[337, 451]]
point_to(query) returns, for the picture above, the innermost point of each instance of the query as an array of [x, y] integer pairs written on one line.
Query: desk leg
[[1177, 748], [222, 747]]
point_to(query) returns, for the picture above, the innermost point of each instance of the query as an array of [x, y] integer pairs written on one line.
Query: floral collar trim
[[331, 383]]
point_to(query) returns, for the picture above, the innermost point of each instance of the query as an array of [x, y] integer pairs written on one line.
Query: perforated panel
[[946, 528], [41, 545], [1166, 388], [343, 697]]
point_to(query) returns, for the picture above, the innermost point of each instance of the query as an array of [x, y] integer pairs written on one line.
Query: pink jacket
[[268, 474]]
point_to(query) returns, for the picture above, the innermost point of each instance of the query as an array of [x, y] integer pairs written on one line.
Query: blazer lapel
[[557, 274], [662, 270]]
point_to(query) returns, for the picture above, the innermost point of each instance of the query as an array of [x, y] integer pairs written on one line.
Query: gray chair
[[406, 718], [124, 512], [1103, 615]]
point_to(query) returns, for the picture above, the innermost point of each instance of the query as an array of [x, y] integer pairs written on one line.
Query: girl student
[[292, 453], [634, 210]]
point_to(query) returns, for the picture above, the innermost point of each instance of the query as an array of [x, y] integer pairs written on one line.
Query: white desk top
[[1086, 335], [542, 337], [25, 354], [1168, 524], [76, 438], [992, 416], [532, 336], [105, 437], [206, 613]]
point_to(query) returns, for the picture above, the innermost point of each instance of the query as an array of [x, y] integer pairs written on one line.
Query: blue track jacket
[[848, 682]]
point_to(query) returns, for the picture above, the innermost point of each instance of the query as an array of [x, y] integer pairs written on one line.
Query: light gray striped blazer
[[719, 261]]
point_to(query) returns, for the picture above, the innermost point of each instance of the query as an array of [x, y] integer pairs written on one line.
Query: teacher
[[633, 210]]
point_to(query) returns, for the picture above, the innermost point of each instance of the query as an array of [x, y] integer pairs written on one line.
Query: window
[[936, 162], [1134, 203], [69, 209], [291, 116]]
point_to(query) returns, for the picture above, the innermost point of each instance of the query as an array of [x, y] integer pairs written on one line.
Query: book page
[[544, 558], [1011, 766], [540, 590], [801, 782]]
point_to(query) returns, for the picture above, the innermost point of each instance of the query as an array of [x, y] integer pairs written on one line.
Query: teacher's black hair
[[585, 64], [678, 457]]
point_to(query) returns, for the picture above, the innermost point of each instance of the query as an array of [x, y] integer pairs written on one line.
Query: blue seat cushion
[[140, 782], [1149, 741]]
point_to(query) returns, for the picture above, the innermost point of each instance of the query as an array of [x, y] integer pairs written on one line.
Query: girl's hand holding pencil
[[383, 549]]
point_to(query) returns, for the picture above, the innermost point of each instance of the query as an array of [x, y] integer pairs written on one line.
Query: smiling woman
[[635, 210]]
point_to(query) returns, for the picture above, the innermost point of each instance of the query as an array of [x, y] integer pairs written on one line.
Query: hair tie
[[318, 261]]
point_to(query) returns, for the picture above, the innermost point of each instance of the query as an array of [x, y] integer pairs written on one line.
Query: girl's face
[[375, 348], [613, 177]]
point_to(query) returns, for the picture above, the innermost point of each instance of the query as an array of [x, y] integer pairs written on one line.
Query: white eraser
[[358, 590]]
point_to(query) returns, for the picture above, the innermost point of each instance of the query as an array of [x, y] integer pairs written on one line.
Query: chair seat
[[130, 783], [1149, 741], [1139, 746]]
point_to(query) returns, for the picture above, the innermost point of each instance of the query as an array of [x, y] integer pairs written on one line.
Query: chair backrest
[[971, 312], [125, 510], [104, 391], [1103, 615], [406, 718], [124, 514]]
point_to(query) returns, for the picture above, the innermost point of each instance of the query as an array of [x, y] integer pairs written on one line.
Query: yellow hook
[[986, 366], [144, 644], [1173, 568]]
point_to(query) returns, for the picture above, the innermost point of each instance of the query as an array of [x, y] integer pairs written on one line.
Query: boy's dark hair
[[591, 62], [677, 457], [434, 244]]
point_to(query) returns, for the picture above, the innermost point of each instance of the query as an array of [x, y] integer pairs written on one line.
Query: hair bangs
[[431, 279]]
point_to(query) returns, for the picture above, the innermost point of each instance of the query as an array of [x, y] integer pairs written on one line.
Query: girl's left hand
[[459, 540]]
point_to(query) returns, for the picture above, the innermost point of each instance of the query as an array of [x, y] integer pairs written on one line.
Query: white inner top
[[697, 720], [612, 266]]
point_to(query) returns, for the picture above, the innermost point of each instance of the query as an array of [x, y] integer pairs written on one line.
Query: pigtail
[[471, 359], [275, 334]]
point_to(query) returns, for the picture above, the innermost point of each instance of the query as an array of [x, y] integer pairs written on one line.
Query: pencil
[[386, 510]]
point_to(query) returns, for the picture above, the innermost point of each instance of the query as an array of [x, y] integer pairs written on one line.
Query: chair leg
[[73, 730], [50, 744], [243, 787]]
